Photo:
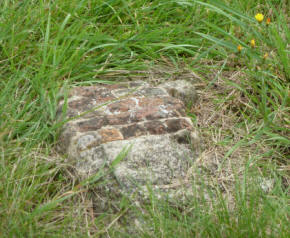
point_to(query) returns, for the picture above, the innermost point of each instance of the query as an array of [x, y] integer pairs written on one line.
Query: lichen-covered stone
[[105, 119], [181, 89]]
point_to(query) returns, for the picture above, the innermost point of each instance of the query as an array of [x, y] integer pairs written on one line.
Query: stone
[[151, 124], [181, 89]]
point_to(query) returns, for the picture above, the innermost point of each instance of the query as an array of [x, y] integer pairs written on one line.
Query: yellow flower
[[266, 55], [253, 43], [239, 48], [259, 17]]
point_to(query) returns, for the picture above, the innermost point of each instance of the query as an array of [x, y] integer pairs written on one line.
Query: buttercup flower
[[239, 48], [253, 43], [259, 17]]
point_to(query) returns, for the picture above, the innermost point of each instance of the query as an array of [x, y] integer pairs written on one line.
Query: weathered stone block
[[106, 119]]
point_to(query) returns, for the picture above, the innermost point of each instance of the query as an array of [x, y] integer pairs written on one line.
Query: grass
[[242, 114]]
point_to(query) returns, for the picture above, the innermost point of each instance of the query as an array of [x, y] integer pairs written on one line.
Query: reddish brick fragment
[[151, 102], [133, 130], [137, 114], [110, 134], [120, 119], [92, 124], [142, 113], [155, 127], [121, 106]]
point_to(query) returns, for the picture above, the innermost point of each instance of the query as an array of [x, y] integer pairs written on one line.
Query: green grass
[[48, 46]]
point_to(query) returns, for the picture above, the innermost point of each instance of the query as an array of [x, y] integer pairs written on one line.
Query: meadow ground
[[239, 66]]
